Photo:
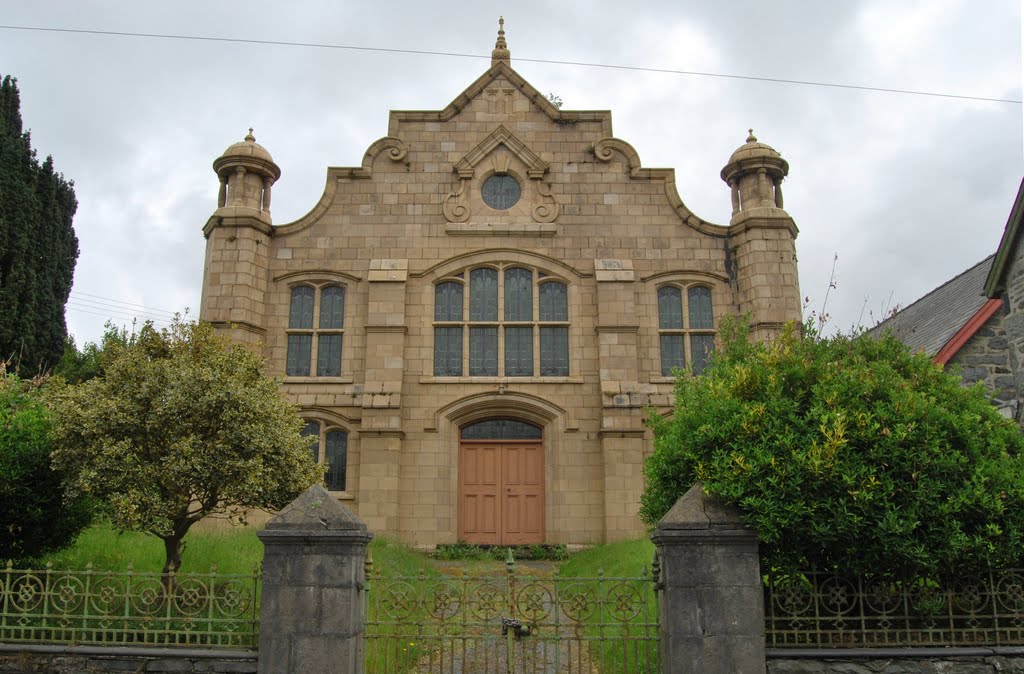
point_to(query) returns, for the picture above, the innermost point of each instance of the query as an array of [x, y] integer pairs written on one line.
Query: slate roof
[[933, 320]]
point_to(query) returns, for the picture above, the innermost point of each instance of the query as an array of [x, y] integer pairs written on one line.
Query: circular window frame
[[500, 206]]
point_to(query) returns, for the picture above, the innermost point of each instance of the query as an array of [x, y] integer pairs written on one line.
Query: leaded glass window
[[697, 332], [501, 191], [483, 295], [329, 304], [500, 429], [515, 326], [335, 459], [483, 352]]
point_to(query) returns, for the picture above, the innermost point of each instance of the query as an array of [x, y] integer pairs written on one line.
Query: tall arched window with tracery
[[677, 328], [514, 324]]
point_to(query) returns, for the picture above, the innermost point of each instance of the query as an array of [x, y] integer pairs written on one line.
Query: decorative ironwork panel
[[128, 608], [817, 609], [511, 623]]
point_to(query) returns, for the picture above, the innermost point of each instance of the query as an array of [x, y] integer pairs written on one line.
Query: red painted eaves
[[965, 333]]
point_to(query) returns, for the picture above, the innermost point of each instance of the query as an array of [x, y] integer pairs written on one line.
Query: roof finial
[[751, 138], [249, 138], [501, 52]]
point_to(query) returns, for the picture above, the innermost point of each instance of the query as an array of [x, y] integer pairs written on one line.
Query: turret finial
[[501, 52], [751, 138], [249, 138]]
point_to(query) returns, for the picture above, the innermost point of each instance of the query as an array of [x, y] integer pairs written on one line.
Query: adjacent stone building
[[975, 321], [474, 320]]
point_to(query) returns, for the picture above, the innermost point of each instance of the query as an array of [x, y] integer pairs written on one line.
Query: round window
[[501, 191]]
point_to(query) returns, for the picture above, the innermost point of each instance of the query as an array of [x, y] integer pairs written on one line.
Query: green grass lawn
[[622, 559]]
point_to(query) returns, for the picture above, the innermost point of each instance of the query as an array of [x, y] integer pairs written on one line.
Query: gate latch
[[518, 628]]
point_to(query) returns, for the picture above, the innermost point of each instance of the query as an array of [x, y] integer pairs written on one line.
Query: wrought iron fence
[[511, 623], [129, 608], [826, 609]]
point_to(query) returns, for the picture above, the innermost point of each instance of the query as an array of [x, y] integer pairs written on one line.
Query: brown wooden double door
[[501, 492]]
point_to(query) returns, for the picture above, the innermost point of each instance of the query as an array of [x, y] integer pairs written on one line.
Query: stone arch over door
[[552, 419]]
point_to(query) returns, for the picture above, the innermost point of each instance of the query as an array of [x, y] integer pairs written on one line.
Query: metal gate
[[511, 623]]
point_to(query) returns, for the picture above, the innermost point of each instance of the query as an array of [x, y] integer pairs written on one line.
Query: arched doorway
[[501, 483]]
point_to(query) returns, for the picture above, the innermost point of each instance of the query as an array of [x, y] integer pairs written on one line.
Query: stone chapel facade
[[475, 320]]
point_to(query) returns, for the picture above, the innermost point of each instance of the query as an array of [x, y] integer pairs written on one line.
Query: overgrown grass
[[623, 559], [234, 550]]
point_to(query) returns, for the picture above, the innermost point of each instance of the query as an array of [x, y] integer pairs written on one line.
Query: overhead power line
[[584, 64], [116, 303]]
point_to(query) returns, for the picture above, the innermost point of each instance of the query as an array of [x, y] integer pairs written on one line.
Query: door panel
[[501, 493]]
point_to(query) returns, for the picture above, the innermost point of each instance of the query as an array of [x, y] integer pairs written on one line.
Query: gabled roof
[[995, 284], [934, 320]]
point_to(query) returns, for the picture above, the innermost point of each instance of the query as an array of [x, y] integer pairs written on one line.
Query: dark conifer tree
[[38, 246]]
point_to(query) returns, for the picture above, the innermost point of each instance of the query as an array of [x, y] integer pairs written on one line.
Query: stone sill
[[317, 380], [507, 381], [500, 229]]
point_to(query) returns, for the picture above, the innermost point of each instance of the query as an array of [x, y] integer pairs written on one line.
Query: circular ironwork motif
[[882, 597], [793, 596], [398, 599], [501, 191], [487, 601], [578, 602], [624, 601], [190, 597], [838, 596], [970, 597], [234, 598], [107, 595], [148, 595], [26, 592], [66, 594], [1010, 590], [534, 602], [442, 600]]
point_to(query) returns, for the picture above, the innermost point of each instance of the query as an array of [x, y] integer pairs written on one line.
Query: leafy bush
[[40, 512], [848, 453]]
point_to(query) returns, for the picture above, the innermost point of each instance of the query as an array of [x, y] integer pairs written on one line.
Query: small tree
[[182, 425], [849, 453], [41, 512]]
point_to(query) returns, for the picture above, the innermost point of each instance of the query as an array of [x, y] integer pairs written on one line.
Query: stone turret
[[247, 172], [238, 241], [754, 173], [762, 238]]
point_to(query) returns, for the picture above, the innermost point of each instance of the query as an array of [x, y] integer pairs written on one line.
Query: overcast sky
[[907, 190]]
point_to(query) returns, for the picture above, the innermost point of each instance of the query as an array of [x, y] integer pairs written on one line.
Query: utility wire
[[84, 304], [100, 299], [585, 64]]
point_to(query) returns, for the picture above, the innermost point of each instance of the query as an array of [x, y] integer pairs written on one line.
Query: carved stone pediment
[[501, 153]]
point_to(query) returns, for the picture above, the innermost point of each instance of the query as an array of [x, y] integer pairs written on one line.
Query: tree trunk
[[172, 552]]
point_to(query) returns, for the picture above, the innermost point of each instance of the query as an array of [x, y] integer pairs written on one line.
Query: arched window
[[674, 332], [329, 331], [517, 324], [334, 456]]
